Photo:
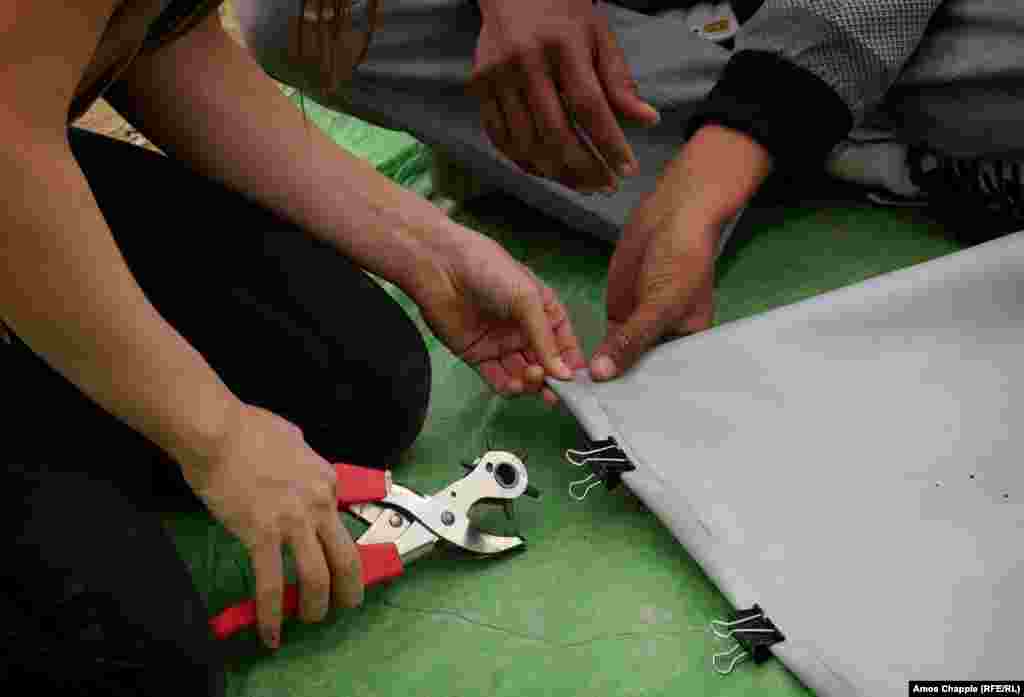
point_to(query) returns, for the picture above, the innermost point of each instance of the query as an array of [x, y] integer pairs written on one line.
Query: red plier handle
[[380, 562]]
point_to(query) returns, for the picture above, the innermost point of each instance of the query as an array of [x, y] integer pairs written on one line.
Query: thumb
[[617, 78], [528, 311], [625, 342]]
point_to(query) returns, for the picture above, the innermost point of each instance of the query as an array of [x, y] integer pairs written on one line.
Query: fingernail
[[562, 370], [603, 368], [629, 169], [274, 641]]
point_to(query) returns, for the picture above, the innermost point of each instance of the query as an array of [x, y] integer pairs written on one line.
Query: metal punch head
[[496, 476]]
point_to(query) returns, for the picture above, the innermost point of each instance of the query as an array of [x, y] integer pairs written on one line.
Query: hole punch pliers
[[404, 525]]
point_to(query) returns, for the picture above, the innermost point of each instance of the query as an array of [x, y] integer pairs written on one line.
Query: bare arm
[[205, 100], [65, 288]]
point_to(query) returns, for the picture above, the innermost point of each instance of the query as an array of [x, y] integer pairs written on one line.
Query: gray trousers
[[962, 92]]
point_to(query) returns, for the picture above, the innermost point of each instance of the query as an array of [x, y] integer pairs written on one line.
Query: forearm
[[723, 169], [67, 292], [234, 125]]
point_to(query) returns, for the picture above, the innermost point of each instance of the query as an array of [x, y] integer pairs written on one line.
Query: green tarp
[[603, 601]]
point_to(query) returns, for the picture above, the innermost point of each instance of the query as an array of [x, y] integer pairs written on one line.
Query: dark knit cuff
[[791, 112]]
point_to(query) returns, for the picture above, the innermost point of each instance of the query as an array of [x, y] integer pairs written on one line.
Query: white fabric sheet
[[853, 464]]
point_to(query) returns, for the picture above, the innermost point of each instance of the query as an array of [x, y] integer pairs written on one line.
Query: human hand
[[269, 488], [497, 316], [661, 276], [660, 282], [524, 68]]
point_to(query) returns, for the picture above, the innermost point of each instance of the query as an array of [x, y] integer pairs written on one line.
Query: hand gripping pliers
[[404, 525]]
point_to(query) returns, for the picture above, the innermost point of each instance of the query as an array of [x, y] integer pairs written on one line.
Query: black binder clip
[[606, 462], [754, 634]]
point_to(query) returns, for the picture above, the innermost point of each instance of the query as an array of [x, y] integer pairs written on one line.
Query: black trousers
[[94, 598]]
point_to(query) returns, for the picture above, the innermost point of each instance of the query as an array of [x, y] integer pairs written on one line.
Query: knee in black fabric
[[90, 439], [96, 600], [287, 321], [409, 389], [377, 415]]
